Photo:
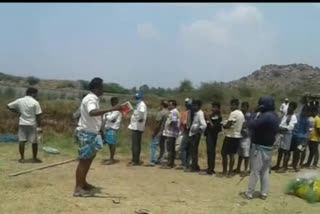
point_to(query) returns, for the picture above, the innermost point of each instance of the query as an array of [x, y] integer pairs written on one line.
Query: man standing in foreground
[[88, 132], [171, 132], [137, 125], [29, 121], [264, 129]]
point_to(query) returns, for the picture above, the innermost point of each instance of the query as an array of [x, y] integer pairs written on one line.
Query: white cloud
[[148, 31], [243, 14], [233, 40]]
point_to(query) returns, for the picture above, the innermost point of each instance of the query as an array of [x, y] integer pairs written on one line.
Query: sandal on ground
[[142, 211], [263, 197], [245, 195], [21, 161], [83, 193]]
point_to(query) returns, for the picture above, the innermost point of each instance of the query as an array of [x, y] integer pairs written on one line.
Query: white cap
[[186, 100], [286, 99]]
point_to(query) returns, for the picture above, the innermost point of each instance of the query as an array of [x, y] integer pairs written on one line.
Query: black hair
[[114, 99], [314, 109], [174, 102], [164, 103], [293, 104], [197, 102], [95, 83], [245, 104], [31, 91], [235, 102], [217, 104]]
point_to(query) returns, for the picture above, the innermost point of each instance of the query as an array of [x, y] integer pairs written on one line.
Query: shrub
[[33, 80]]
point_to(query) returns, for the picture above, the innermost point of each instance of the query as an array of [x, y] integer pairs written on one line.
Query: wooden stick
[[42, 167]]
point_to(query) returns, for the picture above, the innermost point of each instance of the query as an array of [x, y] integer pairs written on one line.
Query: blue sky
[[158, 44]]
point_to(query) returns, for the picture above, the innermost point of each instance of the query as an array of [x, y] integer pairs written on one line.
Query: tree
[[210, 92], [186, 86], [144, 89], [33, 80]]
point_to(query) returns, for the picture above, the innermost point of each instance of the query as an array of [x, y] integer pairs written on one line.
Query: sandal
[[21, 161], [82, 193], [37, 160], [245, 195], [143, 211]]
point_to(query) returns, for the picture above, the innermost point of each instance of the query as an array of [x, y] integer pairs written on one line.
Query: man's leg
[[81, 174], [21, 151], [238, 169], [316, 155], [35, 152], [112, 149], [171, 151], [162, 148], [196, 166], [224, 154], [256, 166], [139, 146], [246, 164], [184, 150], [264, 173], [210, 155], [279, 158], [311, 154], [154, 145], [231, 163]]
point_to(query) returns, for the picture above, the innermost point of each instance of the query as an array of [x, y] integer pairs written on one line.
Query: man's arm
[[203, 124], [13, 110], [38, 119], [98, 112]]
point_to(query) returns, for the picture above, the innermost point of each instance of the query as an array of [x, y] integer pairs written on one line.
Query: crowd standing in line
[[252, 135]]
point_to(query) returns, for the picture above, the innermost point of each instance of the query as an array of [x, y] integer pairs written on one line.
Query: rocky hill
[[282, 77]]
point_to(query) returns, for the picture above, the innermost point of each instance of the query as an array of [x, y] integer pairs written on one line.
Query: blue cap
[[139, 96]]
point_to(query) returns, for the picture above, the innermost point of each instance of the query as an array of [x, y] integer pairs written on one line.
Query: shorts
[[230, 146], [285, 141], [89, 144], [28, 133], [297, 143], [244, 148], [111, 136]]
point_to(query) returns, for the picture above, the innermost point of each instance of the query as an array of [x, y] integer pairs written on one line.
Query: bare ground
[[158, 190]]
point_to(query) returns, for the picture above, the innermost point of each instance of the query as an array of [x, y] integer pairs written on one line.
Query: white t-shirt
[[28, 107], [115, 116], [139, 113], [238, 119], [86, 122], [290, 126], [199, 124]]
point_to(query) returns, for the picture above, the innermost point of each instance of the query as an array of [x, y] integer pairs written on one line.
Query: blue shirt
[[301, 129]]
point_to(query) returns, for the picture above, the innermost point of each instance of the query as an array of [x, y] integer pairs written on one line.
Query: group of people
[[251, 135]]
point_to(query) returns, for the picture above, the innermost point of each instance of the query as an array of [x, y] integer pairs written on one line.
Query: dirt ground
[[158, 190]]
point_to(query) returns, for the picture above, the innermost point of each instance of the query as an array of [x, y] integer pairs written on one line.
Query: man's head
[[196, 105], [215, 107], [114, 101], [305, 111], [266, 104], [187, 103], [172, 104], [314, 111], [164, 104], [286, 100], [33, 92], [244, 107], [234, 104], [96, 86], [292, 107]]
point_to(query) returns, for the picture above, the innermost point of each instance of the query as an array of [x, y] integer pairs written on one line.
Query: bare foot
[[36, 160], [21, 160], [79, 192]]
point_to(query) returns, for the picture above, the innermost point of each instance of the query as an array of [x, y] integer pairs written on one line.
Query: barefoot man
[[29, 121], [89, 128]]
